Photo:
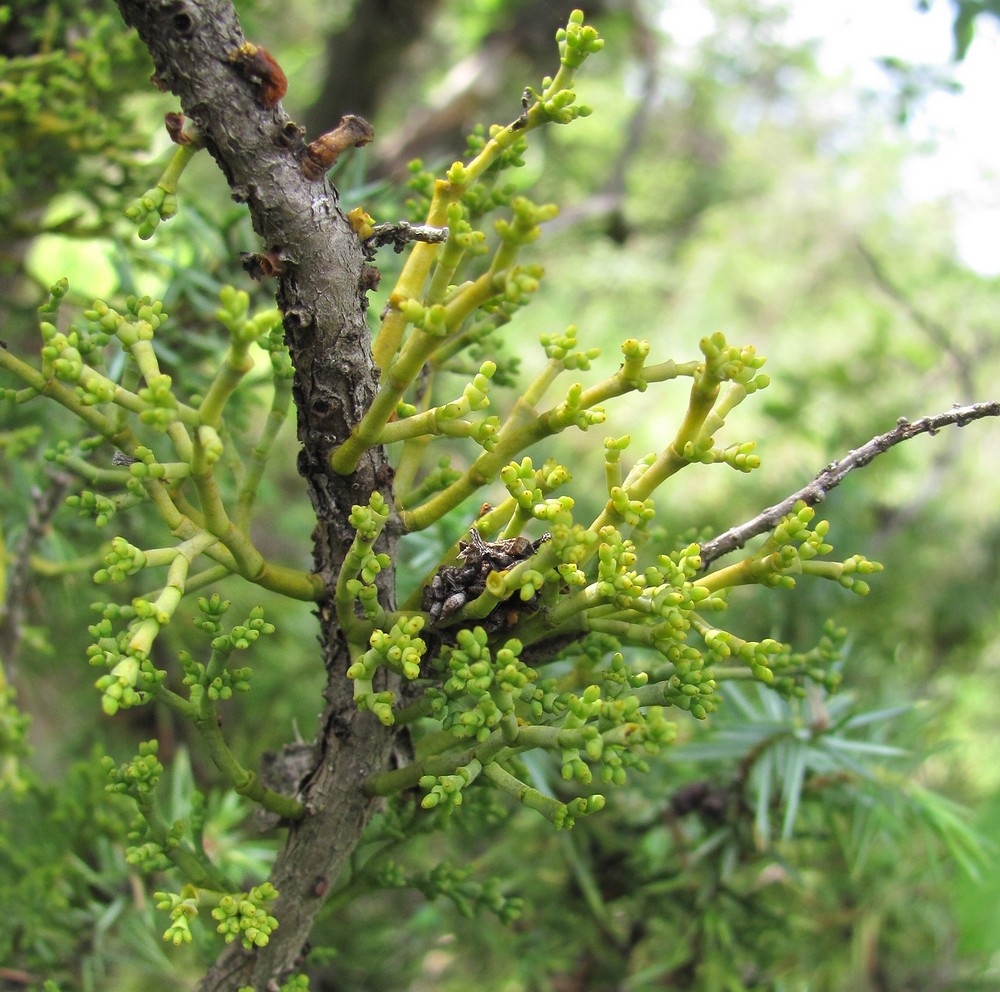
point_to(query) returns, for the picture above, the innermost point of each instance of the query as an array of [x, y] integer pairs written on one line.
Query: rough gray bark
[[321, 296]]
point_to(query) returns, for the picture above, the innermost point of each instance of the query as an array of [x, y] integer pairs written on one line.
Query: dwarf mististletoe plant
[[496, 616], [551, 623]]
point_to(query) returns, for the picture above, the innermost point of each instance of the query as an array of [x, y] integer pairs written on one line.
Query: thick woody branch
[[231, 90], [835, 473]]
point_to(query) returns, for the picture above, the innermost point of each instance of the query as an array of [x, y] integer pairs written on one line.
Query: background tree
[[706, 854]]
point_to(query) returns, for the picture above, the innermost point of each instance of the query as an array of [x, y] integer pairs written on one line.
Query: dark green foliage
[[63, 68]]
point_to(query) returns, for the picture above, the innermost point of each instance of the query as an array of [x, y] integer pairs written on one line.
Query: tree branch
[[835, 473], [196, 47]]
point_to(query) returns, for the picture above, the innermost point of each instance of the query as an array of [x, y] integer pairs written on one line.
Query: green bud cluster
[[234, 315], [429, 319], [561, 107], [691, 685], [79, 344], [489, 697], [445, 315], [577, 41], [493, 706], [147, 211], [146, 466], [652, 606], [593, 579], [183, 908], [565, 816], [635, 353], [14, 725], [730, 363], [795, 529], [157, 846], [160, 203], [389, 874], [436, 480], [482, 686], [161, 403], [481, 199], [446, 419], [211, 609], [468, 894], [139, 322], [819, 664], [849, 571], [573, 413], [482, 339], [615, 575], [75, 357], [63, 359], [607, 726], [101, 508], [511, 156], [445, 791], [272, 340], [525, 224], [400, 649], [740, 456], [140, 395], [242, 635], [794, 546], [245, 916], [529, 486], [362, 565], [516, 287], [560, 348], [216, 680], [122, 560], [762, 657], [421, 184], [15, 443], [149, 856], [632, 512], [462, 236], [139, 777], [297, 983], [132, 678]]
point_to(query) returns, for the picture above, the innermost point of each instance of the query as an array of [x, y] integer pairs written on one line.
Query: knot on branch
[[326, 149], [456, 585]]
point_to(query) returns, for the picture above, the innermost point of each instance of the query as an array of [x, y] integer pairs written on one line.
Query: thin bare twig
[[835, 473], [399, 235]]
